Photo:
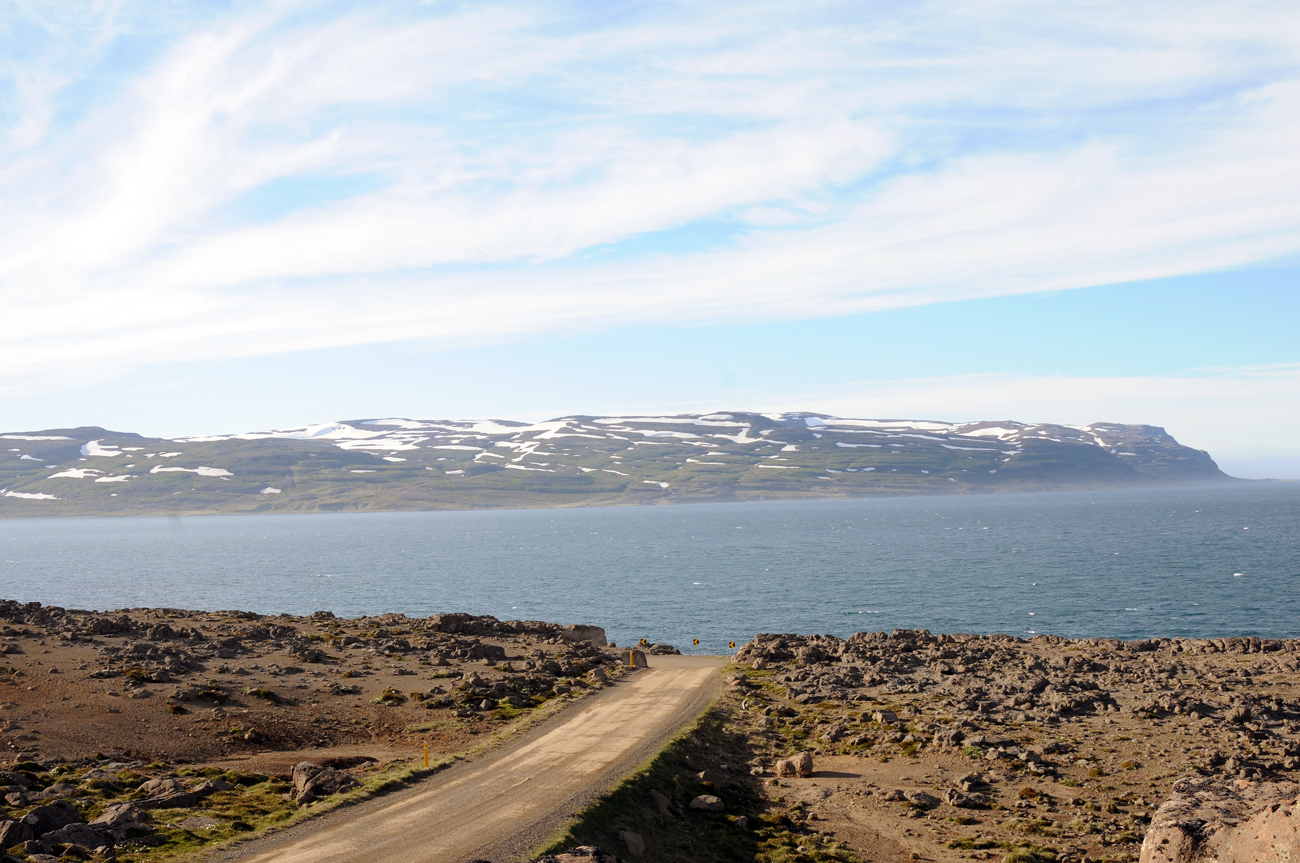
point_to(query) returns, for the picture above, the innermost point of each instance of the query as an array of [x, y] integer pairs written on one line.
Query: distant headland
[[402, 465]]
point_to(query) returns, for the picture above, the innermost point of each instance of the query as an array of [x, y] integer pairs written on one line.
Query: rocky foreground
[[1047, 749], [150, 732]]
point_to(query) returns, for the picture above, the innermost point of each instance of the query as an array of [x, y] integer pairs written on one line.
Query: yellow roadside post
[[426, 756]]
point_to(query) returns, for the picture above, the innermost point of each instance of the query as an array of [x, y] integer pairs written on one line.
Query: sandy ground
[[500, 806]]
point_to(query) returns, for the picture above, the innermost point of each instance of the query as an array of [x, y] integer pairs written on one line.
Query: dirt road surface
[[500, 806]]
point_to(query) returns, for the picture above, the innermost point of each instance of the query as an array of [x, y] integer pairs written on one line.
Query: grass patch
[[1019, 853]]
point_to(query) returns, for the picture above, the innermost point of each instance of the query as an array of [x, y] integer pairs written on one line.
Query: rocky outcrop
[[1212, 820], [590, 634], [311, 781]]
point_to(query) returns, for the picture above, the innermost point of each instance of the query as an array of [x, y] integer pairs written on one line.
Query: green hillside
[[376, 465]]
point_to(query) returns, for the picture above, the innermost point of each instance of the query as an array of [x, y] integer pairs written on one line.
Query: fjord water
[[1199, 562]]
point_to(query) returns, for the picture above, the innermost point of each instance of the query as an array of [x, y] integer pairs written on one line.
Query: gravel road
[[498, 807]]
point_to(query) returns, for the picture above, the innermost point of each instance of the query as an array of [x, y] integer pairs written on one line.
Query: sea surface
[[1200, 562]]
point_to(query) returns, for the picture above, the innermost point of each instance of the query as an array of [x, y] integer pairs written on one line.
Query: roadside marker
[[426, 756], [732, 645]]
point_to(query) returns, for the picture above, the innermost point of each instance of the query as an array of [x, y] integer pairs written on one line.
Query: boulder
[[661, 801], [949, 737], [577, 632], [802, 764], [85, 835], [707, 803], [965, 799], [636, 659], [123, 821], [1211, 820], [311, 781], [157, 787], [169, 800], [212, 786], [44, 819], [118, 814], [581, 854], [13, 833], [635, 844], [920, 799]]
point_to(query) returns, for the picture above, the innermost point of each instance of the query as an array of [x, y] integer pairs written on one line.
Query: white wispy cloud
[[286, 176]]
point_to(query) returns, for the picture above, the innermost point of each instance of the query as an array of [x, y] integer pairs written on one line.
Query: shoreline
[[766, 497], [1067, 743]]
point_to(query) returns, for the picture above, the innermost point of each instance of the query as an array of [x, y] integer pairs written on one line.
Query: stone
[[742, 822], [707, 803], [311, 781], [85, 835], [171, 800], [56, 791], [708, 777], [802, 763], [118, 814], [212, 786], [949, 737], [577, 632], [636, 659], [965, 799], [921, 799], [581, 854], [1216, 821], [156, 787], [44, 819], [599, 674], [662, 802], [633, 841], [13, 833]]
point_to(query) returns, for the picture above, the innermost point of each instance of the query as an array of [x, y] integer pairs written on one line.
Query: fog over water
[[1209, 561]]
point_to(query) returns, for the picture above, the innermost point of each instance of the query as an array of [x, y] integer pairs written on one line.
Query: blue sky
[[221, 217]]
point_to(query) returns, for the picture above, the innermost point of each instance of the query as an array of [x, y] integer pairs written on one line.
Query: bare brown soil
[[234, 688]]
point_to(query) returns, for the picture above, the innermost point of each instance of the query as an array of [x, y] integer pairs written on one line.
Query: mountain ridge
[[383, 464]]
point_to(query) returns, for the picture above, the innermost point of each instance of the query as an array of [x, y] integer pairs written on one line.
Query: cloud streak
[[292, 176]]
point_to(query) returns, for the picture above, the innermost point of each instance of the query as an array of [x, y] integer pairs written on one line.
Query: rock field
[[145, 731], [984, 747]]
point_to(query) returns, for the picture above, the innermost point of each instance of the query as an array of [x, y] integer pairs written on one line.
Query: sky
[[226, 216]]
